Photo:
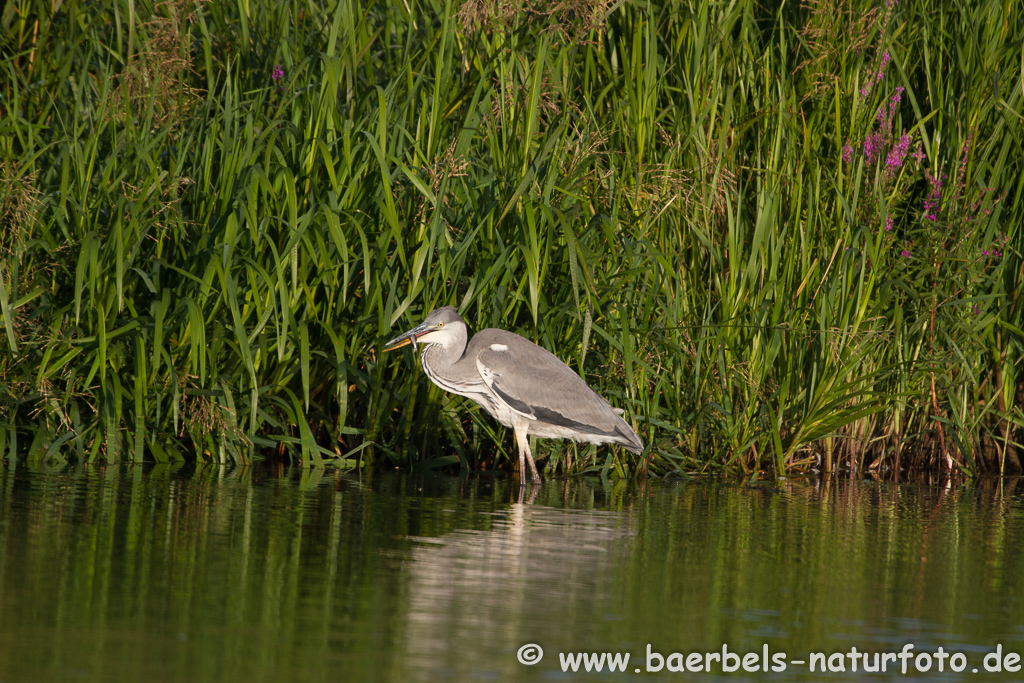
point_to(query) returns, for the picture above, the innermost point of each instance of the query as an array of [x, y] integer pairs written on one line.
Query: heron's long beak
[[407, 338]]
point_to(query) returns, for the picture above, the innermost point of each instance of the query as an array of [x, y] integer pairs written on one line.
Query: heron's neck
[[437, 359]]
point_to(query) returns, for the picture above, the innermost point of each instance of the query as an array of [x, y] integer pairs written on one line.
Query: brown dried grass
[[567, 19], [159, 73]]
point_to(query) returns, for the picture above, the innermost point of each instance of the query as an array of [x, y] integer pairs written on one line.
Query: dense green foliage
[[775, 236]]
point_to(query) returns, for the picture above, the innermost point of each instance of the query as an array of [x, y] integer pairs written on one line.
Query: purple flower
[[881, 70], [278, 72], [986, 252], [918, 153], [898, 153], [931, 203], [967, 148], [888, 224], [848, 153], [873, 146], [976, 310], [960, 177], [905, 254], [894, 103]]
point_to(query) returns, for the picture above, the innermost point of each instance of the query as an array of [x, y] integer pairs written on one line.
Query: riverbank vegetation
[[781, 236]]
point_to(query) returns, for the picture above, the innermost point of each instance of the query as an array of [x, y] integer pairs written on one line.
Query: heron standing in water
[[521, 385]]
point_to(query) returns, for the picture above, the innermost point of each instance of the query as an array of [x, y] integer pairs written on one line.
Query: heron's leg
[[520, 431], [524, 450], [533, 467]]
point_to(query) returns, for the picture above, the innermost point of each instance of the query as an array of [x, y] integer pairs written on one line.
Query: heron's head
[[443, 326]]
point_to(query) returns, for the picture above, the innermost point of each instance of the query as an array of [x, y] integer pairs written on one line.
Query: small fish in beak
[[407, 338]]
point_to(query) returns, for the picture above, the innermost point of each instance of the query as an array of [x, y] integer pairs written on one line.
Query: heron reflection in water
[[520, 384]]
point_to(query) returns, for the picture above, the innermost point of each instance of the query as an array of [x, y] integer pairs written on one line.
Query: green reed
[[779, 238]]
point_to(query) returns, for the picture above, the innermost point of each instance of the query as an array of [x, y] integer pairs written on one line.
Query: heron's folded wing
[[535, 383]]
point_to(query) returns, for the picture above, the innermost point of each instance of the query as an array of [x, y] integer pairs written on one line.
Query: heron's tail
[[628, 439]]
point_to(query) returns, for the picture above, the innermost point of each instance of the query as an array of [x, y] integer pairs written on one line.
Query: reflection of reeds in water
[[242, 575], [477, 596]]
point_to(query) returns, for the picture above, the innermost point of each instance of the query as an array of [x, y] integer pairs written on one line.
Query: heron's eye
[[440, 324]]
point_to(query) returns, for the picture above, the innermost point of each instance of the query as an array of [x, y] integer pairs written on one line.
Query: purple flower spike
[[848, 153], [278, 72], [931, 203], [894, 103], [967, 148], [873, 146], [898, 153], [888, 224], [905, 254], [918, 153], [881, 70]]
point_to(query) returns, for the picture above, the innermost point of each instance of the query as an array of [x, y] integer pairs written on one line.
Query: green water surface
[[214, 574]]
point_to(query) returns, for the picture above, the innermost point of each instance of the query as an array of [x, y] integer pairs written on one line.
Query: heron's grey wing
[[535, 383]]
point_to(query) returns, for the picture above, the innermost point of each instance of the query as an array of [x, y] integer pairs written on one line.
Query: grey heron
[[520, 384]]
